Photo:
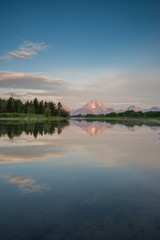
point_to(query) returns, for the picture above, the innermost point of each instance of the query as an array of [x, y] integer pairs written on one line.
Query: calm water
[[80, 180]]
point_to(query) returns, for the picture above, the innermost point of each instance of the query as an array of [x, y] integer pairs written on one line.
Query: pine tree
[[10, 105], [35, 102], [53, 109], [41, 108]]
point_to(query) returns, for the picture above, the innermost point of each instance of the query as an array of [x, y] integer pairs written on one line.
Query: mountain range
[[96, 107]]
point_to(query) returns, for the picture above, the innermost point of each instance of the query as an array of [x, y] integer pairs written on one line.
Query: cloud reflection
[[118, 145], [26, 184]]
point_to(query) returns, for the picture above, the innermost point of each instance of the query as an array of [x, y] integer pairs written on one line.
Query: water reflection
[[118, 145], [73, 186], [93, 128], [15, 129], [25, 184]]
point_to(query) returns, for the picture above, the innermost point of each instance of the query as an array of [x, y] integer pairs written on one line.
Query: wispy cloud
[[37, 81], [25, 50], [112, 87]]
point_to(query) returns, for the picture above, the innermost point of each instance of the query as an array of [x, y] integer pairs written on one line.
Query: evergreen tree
[[1, 106], [59, 109], [10, 105], [41, 108], [53, 109], [47, 112], [19, 106], [35, 103], [30, 109], [26, 106]]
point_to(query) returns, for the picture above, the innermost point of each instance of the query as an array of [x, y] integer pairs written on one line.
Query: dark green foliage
[[52, 107], [33, 107], [26, 106], [127, 114], [19, 106], [30, 109], [64, 113], [3, 104], [35, 103], [10, 105], [41, 108], [59, 109], [47, 112]]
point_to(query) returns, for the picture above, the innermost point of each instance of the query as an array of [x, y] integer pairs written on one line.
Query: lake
[[80, 180]]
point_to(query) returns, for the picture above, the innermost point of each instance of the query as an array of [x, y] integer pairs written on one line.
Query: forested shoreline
[[126, 114], [12, 105]]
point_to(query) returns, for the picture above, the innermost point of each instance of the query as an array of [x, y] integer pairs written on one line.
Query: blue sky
[[74, 51]]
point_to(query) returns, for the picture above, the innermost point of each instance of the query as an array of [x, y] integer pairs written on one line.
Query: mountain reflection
[[119, 143], [15, 129], [91, 127], [95, 128]]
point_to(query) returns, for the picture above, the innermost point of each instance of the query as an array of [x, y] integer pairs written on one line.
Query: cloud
[[25, 50], [112, 87], [38, 81]]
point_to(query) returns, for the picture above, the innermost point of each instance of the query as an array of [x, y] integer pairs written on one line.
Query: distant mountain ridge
[[96, 107], [137, 109], [134, 108], [152, 109]]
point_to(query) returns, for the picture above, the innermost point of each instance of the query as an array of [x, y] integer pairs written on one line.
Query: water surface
[[79, 180]]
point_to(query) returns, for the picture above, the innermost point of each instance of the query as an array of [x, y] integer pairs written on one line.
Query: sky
[[75, 51]]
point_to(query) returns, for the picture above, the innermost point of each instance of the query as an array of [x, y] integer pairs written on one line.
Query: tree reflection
[[15, 129]]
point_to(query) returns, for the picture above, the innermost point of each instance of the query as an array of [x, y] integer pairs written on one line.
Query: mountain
[[96, 107], [66, 108], [152, 109], [82, 111], [134, 108], [120, 110], [92, 107]]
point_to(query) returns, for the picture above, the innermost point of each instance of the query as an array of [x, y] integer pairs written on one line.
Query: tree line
[[12, 105], [130, 114]]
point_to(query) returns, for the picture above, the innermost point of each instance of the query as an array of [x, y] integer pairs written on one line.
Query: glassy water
[[80, 180]]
